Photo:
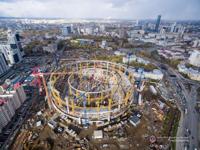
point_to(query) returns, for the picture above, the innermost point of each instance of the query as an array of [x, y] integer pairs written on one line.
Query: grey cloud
[[123, 9]]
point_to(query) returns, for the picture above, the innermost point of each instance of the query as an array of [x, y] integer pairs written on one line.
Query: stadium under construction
[[92, 91]]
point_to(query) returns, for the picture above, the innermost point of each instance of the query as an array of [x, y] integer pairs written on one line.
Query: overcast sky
[[116, 9]]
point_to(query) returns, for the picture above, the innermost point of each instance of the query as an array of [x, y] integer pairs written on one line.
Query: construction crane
[[40, 76], [37, 82]]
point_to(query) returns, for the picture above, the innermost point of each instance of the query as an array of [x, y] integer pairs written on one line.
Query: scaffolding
[[95, 91]]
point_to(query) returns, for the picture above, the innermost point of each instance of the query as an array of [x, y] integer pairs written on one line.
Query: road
[[188, 126], [190, 121], [187, 134]]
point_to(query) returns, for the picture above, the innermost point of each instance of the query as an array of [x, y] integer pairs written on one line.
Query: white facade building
[[194, 58], [119, 53], [155, 75], [98, 134], [134, 58], [3, 64], [10, 101], [89, 31], [12, 49], [182, 68], [103, 44], [7, 112], [192, 74], [196, 43], [129, 58]]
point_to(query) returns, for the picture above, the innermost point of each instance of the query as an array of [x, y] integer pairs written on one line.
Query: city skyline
[[99, 74], [107, 9]]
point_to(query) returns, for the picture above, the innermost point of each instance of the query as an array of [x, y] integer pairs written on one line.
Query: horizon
[[105, 9], [120, 19]]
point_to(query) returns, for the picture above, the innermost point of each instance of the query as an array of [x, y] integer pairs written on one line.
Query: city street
[[188, 125], [187, 134]]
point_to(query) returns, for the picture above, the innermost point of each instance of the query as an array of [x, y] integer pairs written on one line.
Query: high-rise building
[[15, 38], [12, 49], [89, 31], [7, 112], [181, 30], [102, 28], [196, 43], [3, 64], [157, 23], [173, 27], [163, 30], [10, 100], [137, 23], [67, 30]]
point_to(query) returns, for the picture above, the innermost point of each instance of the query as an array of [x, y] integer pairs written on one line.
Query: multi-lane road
[[187, 137], [187, 134], [189, 122]]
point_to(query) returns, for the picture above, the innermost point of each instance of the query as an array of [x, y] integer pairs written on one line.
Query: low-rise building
[[194, 74], [98, 134], [51, 48], [83, 41], [52, 124], [194, 58], [104, 44], [133, 58], [190, 72], [156, 74], [134, 120], [129, 58], [172, 53], [119, 53]]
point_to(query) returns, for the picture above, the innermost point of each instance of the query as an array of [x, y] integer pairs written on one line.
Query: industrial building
[[91, 92]]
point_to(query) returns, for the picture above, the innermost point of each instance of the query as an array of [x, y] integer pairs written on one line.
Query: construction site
[[95, 104], [91, 92]]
